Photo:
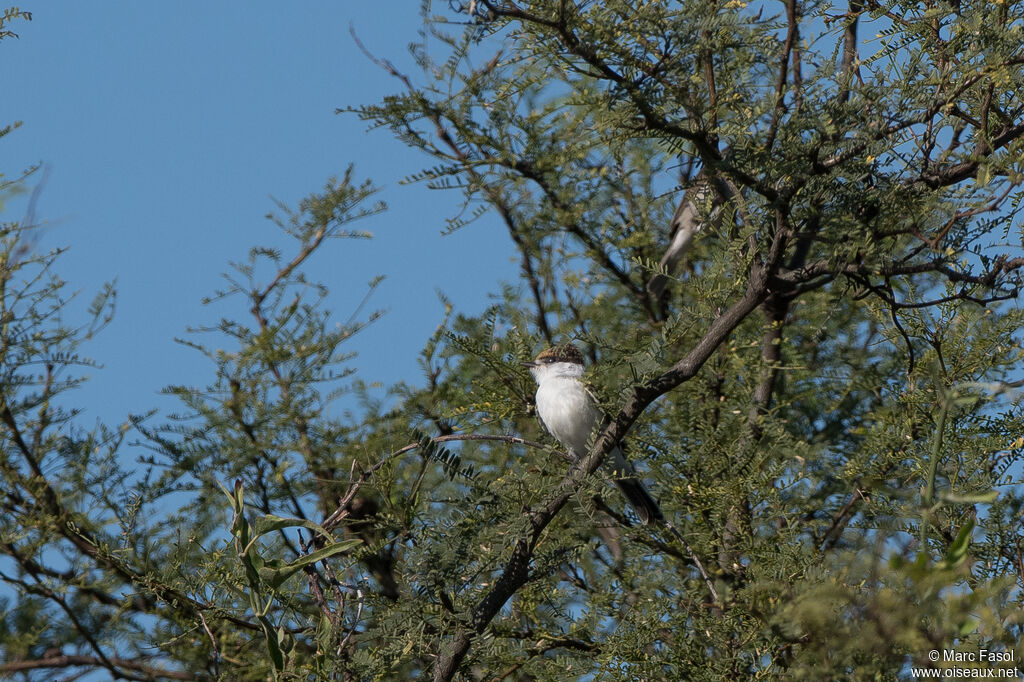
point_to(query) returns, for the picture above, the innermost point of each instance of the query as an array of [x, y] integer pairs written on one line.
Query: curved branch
[[62, 661], [790, 49]]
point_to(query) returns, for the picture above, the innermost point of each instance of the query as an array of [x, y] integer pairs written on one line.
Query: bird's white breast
[[568, 412]]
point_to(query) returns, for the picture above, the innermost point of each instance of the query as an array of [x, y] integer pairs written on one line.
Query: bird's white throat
[[542, 372]]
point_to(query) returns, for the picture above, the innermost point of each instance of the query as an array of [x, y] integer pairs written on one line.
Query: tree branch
[[54, 662], [792, 39]]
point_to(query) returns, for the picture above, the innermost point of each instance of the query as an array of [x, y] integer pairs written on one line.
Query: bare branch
[[57, 662]]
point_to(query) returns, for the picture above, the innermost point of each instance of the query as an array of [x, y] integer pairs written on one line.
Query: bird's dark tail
[[642, 502], [649, 512]]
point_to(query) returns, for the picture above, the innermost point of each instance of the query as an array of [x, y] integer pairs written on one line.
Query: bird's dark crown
[[565, 352]]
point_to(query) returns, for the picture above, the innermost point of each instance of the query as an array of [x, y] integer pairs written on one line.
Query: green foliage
[[825, 397], [11, 14]]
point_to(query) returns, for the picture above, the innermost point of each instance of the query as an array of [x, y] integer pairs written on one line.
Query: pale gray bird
[[700, 207], [570, 413]]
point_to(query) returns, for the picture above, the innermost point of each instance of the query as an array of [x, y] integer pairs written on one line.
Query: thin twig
[[213, 643], [696, 562]]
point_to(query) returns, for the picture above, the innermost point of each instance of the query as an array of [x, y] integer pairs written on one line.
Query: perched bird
[[570, 413], [701, 204]]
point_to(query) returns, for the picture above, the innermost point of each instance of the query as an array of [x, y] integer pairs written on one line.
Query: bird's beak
[[528, 364]]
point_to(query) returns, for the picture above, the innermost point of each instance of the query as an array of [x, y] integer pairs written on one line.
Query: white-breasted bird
[[570, 413]]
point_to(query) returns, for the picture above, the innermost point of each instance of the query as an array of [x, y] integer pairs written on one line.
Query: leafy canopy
[[815, 361]]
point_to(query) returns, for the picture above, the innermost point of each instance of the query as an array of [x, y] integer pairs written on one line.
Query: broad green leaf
[[275, 575], [958, 550]]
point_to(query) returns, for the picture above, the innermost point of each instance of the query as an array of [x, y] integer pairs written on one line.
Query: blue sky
[[168, 127]]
